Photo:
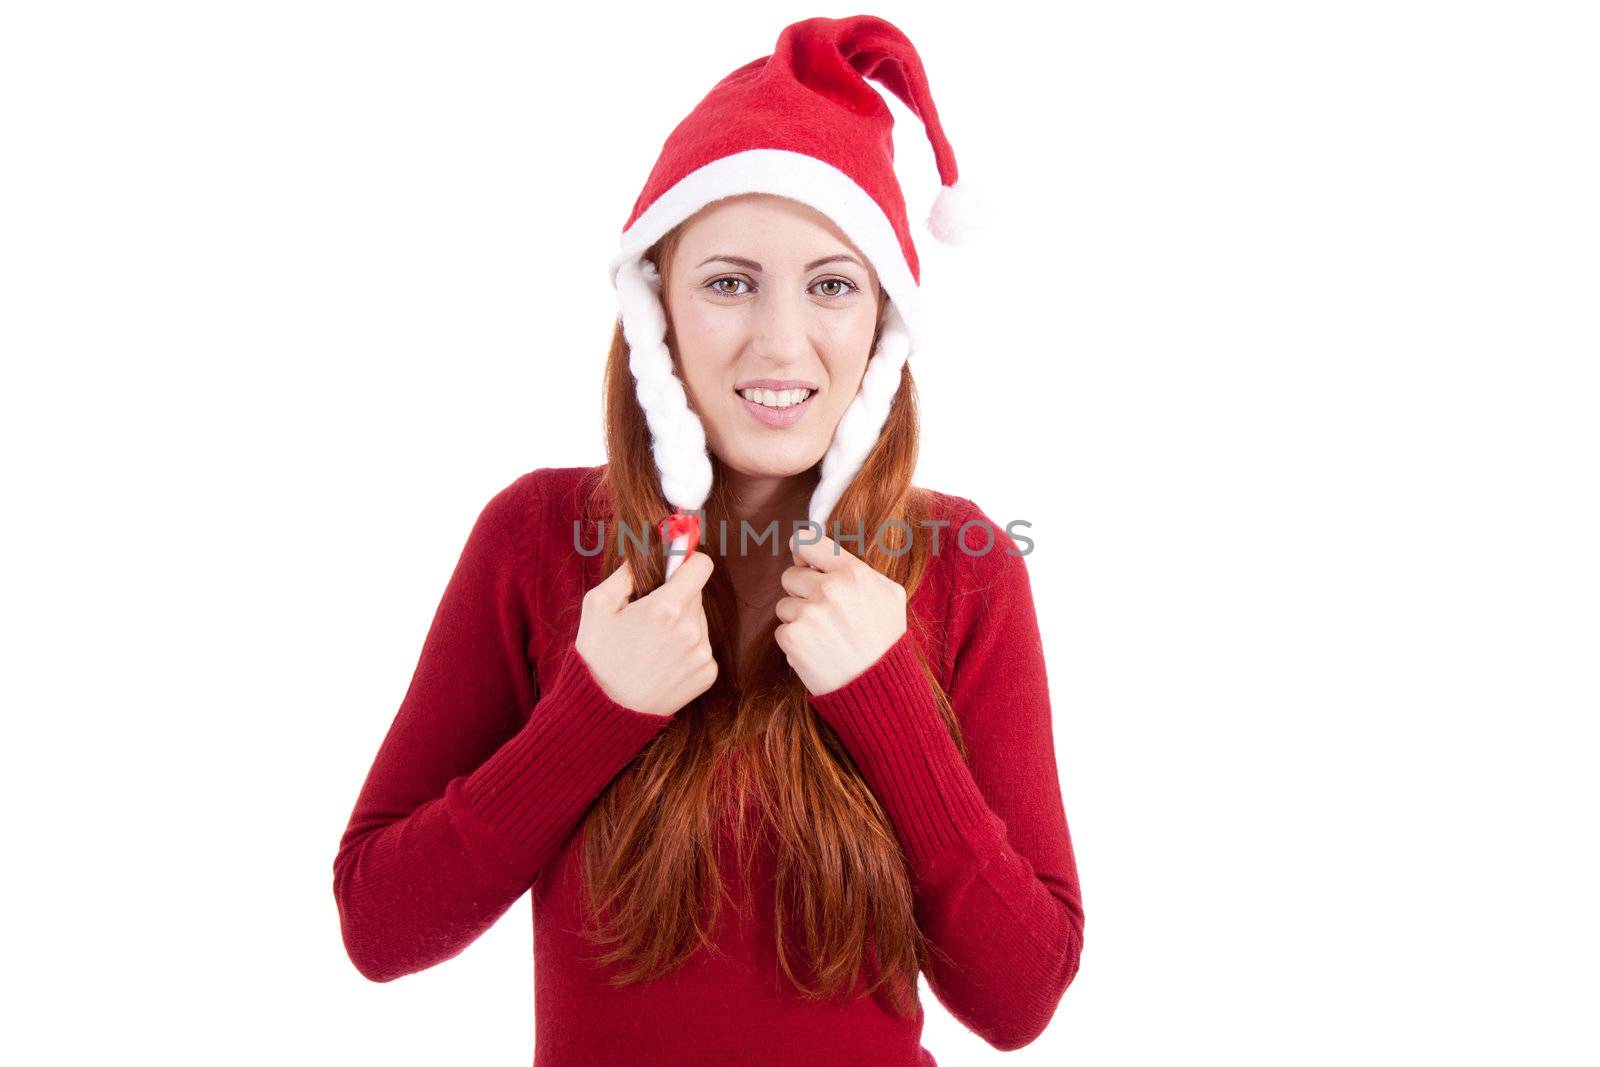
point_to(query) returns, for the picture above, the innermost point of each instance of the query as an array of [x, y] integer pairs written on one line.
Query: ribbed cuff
[[887, 718], [532, 792]]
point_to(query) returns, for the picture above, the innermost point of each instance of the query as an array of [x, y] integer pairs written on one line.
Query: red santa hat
[[802, 123]]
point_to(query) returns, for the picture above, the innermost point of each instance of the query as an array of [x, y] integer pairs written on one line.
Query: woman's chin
[[758, 461]]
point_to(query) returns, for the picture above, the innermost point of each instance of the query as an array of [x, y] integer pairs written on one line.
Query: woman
[[843, 729]]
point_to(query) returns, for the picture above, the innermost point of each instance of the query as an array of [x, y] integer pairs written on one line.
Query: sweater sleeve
[[472, 791], [995, 879]]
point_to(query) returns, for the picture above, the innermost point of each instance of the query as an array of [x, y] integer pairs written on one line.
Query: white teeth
[[780, 399]]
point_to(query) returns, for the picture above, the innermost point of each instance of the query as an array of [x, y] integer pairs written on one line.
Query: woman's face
[[764, 293]]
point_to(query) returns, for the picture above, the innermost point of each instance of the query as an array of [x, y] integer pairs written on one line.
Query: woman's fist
[[840, 616], [652, 655]]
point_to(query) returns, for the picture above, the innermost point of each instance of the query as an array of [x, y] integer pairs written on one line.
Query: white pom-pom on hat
[[958, 216]]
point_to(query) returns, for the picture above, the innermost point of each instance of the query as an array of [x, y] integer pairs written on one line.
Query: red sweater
[[504, 739]]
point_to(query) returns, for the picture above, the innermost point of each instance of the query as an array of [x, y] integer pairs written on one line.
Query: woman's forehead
[[757, 215], [753, 225]]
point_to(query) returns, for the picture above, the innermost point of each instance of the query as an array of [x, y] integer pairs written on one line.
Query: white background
[[1284, 338]]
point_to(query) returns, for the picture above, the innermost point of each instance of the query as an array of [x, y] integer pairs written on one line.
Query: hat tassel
[[957, 217]]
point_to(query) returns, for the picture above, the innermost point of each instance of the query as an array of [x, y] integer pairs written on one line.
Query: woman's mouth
[[777, 407]]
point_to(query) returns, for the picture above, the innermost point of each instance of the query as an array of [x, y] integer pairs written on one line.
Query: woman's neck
[[761, 501]]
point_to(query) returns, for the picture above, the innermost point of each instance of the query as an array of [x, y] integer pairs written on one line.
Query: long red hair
[[842, 895]]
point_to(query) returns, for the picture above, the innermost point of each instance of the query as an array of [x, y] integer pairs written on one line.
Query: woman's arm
[[988, 845], [470, 795]]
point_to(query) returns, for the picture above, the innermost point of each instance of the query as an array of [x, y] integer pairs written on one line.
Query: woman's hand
[[840, 616], [654, 654]]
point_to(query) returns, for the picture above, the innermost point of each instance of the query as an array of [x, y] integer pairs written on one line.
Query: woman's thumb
[[618, 586]]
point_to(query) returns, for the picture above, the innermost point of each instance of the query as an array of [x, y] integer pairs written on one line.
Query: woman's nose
[[781, 328]]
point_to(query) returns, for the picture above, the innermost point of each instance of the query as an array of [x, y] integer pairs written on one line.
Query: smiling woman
[[848, 737], [773, 355]]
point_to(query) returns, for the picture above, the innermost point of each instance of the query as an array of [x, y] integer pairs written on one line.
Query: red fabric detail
[[681, 522]]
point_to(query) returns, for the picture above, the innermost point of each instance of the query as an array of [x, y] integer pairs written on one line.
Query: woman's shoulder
[[558, 489], [938, 504], [539, 503], [546, 481], [958, 516], [971, 572], [980, 557]]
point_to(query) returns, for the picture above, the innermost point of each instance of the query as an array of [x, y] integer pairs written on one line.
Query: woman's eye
[[720, 286]]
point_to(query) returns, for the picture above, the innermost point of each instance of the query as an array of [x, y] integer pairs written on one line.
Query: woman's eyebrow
[[750, 264]]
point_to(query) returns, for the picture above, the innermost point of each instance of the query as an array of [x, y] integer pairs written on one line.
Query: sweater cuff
[[530, 794], [887, 718]]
